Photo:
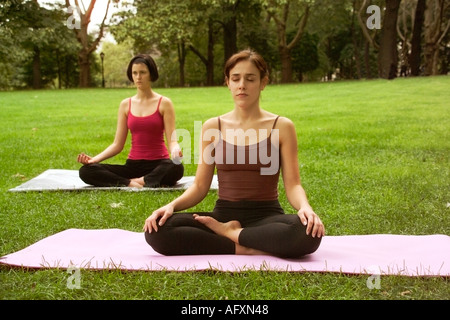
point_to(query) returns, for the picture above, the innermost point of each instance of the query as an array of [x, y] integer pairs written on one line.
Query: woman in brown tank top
[[249, 147]]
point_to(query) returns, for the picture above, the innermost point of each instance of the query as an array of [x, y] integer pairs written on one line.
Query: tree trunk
[[387, 55], [87, 46], [37, 81], [229, 32], [367, 59], [414, 58], [181, 62], [284, 48], [58, 66], [434, 33], [209, 61], [83, 61], [286, 65]]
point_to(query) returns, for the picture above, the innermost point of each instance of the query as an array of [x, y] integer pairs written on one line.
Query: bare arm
[[119, 140], [168, 112], [295, 193], [198, 190]]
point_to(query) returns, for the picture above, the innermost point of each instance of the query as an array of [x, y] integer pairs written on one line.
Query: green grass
[[374, 158]]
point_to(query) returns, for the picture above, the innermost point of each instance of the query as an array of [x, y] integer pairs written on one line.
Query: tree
[[87, 45], [161, 27], [388, 54], [437, 24], [304, 55], [416, 41], [33, 44], [387, 46], [279, 11]]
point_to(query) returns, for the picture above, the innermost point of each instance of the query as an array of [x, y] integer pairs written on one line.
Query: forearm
[[191, 197], [109, 152], [296, 196]]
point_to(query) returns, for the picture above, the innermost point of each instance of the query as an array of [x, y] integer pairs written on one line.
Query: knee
[[179, 171], [157, 242], [302, 243], [307, 245], [174, 174], [86, 172]]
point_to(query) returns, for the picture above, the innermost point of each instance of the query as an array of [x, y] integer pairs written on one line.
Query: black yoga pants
[[155, 172], [266, 228]]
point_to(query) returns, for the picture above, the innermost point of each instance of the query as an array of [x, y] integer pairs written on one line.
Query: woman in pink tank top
[[149, 117], [249, 147]]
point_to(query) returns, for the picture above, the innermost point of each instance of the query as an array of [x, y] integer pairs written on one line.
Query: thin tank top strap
[[275, 122], [273, 127], [218, 120], [159, 103], [129, 105]]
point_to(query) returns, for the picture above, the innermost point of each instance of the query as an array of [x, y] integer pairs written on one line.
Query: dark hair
[[245, 55], [148, 61]]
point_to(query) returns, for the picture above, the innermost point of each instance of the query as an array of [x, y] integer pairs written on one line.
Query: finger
[[318, 228], [322, 230], [153, 225], [145, 227], [315, 228], [164, 217], [302, 217], [148, 225], [309, 227]]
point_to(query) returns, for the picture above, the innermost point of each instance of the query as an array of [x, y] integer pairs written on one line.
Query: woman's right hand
[[163, 213], [84, 159]]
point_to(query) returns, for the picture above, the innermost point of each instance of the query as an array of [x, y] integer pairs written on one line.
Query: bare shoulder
[[211, 123], [123, 106], [125, 102], [286, 129], [284, 123], [166, 104]]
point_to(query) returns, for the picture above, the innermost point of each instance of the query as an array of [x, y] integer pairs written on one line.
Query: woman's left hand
[[311, 220], [176, 155]]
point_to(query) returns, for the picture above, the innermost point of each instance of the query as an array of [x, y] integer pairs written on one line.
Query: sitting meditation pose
[[249, 147], [147, 115]]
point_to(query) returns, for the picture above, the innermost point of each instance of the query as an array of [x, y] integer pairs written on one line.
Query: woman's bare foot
[[137, 183], [230, 229]]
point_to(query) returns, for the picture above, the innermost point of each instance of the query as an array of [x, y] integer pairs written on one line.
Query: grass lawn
[[374, 158]]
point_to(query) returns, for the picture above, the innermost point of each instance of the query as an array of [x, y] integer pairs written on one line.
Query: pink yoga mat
[[381, 254]]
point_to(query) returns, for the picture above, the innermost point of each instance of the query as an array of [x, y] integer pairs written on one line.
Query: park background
[[67, 44], [373, 145]]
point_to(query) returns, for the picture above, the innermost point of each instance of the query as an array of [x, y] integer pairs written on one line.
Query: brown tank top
[[248, 172]]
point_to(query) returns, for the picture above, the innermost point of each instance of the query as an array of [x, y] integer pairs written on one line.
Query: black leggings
[[266, 228], [155, 172]]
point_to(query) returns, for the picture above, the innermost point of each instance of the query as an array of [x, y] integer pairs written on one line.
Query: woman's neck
[[145, 94], [245, 115]]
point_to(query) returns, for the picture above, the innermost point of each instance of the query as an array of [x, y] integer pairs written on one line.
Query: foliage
[[191, 39], [305, 57], [26, 29]]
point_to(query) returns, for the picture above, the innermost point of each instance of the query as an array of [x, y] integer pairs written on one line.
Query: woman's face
[[141, 75], [245, 84]]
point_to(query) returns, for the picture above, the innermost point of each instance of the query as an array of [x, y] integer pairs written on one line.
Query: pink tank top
[[147, 136]]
